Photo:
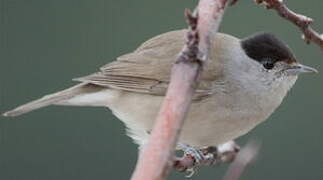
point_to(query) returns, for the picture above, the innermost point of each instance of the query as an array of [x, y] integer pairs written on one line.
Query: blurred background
[[44, 44]]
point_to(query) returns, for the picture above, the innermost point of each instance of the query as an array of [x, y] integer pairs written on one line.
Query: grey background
[[46, 43]]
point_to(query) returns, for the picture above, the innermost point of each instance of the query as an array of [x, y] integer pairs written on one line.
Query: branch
[[245, 157], [301, 21], [155, 160]]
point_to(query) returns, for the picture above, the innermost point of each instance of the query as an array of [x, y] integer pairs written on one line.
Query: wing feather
[[147, 69]]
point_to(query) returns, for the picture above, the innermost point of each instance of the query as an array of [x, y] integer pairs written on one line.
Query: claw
[[195, 153], [191, 172]]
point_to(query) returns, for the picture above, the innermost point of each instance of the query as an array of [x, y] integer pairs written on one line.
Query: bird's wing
[[147, 69]]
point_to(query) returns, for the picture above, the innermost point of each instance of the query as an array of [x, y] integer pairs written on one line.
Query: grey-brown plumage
[[51, 99], [147, 69], [242, 83]]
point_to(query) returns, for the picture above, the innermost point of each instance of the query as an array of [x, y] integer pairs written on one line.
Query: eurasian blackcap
[[242, 83]]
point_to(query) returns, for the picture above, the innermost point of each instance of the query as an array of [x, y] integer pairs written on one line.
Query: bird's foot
[[200, 156], [194, 158]]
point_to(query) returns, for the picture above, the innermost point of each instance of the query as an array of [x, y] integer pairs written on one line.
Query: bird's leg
[[207, 156], [194, 158]]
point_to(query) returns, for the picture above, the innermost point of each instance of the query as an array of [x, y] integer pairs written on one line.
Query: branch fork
[[156, 158]]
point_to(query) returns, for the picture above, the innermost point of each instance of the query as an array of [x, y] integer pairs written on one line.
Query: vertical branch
[[155, 160]]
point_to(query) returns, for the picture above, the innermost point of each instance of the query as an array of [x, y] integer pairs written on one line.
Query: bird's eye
[[268, 64]]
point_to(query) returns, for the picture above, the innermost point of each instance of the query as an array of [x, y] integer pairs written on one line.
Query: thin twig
[[155, 160], [301, 21], [244, 158]]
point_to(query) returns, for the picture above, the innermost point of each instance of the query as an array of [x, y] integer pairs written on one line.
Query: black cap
[[266, 46]]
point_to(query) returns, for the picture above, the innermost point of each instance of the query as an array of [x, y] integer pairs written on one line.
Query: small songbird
[[241, 85]]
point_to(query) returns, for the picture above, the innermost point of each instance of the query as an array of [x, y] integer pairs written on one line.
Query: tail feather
[[52, 99]]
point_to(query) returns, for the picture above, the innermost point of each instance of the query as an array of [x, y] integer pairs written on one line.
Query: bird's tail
[[59, 98]]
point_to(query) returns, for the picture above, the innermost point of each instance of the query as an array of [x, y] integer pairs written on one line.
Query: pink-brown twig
[[245, 157], [301, 21], [155, 160]]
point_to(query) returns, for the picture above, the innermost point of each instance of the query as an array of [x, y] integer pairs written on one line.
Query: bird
[[243, 82]]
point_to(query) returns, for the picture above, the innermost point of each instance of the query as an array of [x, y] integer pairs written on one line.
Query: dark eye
[[268, 64]]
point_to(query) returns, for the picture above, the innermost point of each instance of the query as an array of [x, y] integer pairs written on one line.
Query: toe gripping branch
[[194, 158]]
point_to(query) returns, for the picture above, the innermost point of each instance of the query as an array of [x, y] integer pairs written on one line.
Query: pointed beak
[[297, 69]]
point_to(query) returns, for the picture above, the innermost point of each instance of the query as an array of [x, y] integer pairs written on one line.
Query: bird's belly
[[218, 127], [206, 124]]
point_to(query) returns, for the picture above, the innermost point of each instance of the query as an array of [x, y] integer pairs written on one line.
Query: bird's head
[[261, 65], [273, 54], [273, 63]]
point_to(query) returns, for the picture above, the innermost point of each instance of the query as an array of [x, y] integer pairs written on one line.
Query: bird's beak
[[297, 69]]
